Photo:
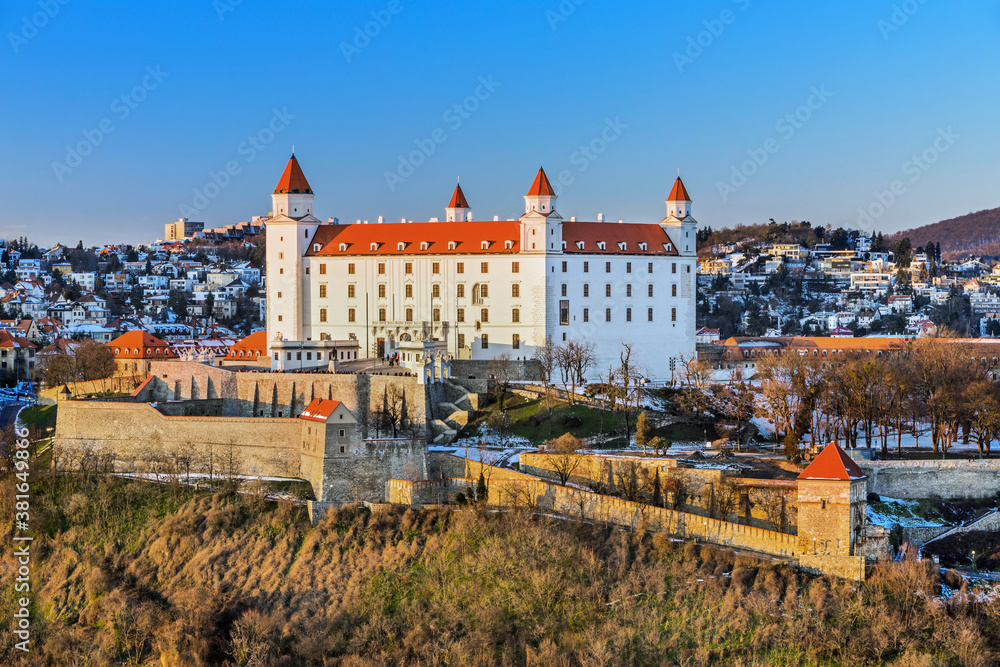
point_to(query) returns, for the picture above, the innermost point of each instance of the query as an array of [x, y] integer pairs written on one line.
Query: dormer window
[[580, 245], [316, 247], [601, 245], [642, 246], [669, 247], [343, 247], [621, 245], [452, 245], [374, 247], [485, 245], [424, 245], [563, 245], [400, 246], [508, 245]]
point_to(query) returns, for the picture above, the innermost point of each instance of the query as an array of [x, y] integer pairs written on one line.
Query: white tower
[[541, 226], [681, 227], [458, 208], [288, 230]]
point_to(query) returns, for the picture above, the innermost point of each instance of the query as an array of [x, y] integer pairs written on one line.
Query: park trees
[[564, 455]]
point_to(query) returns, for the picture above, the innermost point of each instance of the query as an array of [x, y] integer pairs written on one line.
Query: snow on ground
[[895, 510]]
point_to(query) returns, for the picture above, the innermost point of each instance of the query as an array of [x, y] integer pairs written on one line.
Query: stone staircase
[[457, 410]]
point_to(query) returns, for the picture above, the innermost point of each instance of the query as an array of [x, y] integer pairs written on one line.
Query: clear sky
[[830, 102]]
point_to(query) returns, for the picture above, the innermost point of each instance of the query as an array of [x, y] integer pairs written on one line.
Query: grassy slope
[[135, 573]]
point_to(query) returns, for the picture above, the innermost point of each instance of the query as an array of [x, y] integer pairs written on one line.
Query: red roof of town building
[[251, 347], [832, 463], [319, 410], [541, 186], [458, 199], [292, 180], [140, 345], [8, 341], [638, 238], [679, 192]]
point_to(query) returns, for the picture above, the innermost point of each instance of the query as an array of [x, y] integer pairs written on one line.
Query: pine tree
[[482, 493], [643, 431]]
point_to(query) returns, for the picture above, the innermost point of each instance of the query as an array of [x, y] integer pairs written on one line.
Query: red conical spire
[[458, 199], [679, 192], [832, 463], [541, 186], [293, 181]]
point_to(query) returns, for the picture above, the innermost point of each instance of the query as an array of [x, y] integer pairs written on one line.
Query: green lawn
[[530, 419], [41, 416]]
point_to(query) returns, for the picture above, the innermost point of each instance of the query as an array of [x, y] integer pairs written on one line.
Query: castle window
[[381, 314], [601, 245], [436, 267], [516, 342], [485, 341], [650, 270], [322, 314], [515, 315], [350, 268], [563, 290], [628, 314], [485, 245], [409, 291], [607, 290], [435, 291], [564, 312], [586, 314], [508, 245], [436, 315], [642, 247], [515, 290], [381, 268], [350, 314], [279, 318], [649, 289], [281, 255], [607, 267], [322, 291], [484, 267], [515, 267], [460, 290], [451, 245], [316, 247], [484, 315], [408, 267], [461, 341], [381, 290], [342, 449], [673, 290], [628, 290], [424, 245], [673, 314], [460, 267], [460, 315], [322, 269], [409, 314], [350, 291], [621, 245], [607, 314], [673, 267], [342, 433], [628, 267], [649, 315]]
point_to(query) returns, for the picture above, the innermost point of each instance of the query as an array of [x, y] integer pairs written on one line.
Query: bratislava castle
[[480, 288]]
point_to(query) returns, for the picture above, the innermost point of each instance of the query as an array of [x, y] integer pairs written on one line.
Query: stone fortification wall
[[137, 437], [954, 478], [360, 473], [520, 369]]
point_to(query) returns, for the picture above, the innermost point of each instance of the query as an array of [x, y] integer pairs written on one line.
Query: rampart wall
[[952, 478]]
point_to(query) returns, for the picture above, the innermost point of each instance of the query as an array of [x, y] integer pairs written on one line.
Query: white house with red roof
[[481, 288]]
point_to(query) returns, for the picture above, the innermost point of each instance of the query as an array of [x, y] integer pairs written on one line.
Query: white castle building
[[474, 289]]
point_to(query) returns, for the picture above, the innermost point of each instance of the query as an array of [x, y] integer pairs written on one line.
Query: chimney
[[600, 217], [380, 220]]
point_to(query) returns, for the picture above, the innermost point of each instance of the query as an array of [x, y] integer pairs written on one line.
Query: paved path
[[8, 413]]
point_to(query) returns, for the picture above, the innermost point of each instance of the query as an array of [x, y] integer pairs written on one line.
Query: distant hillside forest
[[970, 234], [802, 233], [132, 573]]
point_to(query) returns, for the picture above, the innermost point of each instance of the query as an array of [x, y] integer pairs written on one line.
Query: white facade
[[480, 288]]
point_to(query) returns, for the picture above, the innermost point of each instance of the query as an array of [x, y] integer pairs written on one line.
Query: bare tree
[[727, 497], [631, 479], [564, 455], [500, 371], [547, 358], [771, 504]]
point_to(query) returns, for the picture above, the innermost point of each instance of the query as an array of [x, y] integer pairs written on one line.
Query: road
[[8, 413]]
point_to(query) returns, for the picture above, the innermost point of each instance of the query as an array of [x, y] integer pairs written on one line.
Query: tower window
[[350, 268], [485, 341], [673, 314], [515, 315], [350, 314], [381, 267], [563, 290], [607, 267], [586, 267], [409, 314], [607, 290], [515, 267], [409, 291], [436, 315], [516, 342], [460, 290], [322, 291], [350, 291], [435, 290], [649, 289], [607, 314], [460, 267], [484, 267], [649, 314], [381, 290], [408, 267], [628, 314], [673, 290], [586, 289], [586, 314], [322, 314], [460, 315], [484, 315], [381, 314], [322, 269], [628, 290], [515, 290]]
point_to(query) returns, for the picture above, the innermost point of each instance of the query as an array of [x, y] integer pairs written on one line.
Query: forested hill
[[970, 234]]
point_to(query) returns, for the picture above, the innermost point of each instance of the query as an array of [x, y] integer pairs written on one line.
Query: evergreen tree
[[643, 431], [482, 493]]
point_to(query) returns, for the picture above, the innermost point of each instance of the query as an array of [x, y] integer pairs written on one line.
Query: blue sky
[[829, 102]]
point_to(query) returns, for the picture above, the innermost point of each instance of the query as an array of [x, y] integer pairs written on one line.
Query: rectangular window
[[586, 314], [461, 341], [460, 290], [484, 267], [322, 269], [322, 314], [586, 267], [484, 291], [308, 270], [409, 291], [436, 315], [564, 267], [381, 314], [436, 291], [563, 291], [586, 289], [649, 289], [607, 290], [564, 312], [650, 268], [673, 290], [322, 291], [607, 314], [673, 314], [381, 290], [279, 295], [486, 341], [350, 268], [436, 267], [298, 356], [350, 314], [628, 267], [381, 268], [408, 267], [628, 290], [515, 267], [516, 342], [350, 291], [409, 314], [460, 315], [515, 315], [281, 255], [649, 314], [460, 267], [484, 315], [515, 290], [607, 267], [628, 314], [673, 267]]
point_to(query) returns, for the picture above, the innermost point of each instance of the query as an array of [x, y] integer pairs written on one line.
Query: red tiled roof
[[251, 347], [611, 234], [140, 345], [832, 463], [679, 192], [319, 410], [458, 199], [7, 340], [467, 236], [541, 186], [293, 180]]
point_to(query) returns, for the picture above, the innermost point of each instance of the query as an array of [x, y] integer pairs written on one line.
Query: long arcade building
[[479, 287]]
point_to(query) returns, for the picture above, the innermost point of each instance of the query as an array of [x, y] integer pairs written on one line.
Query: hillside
[[971, 234], [138, 574]]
